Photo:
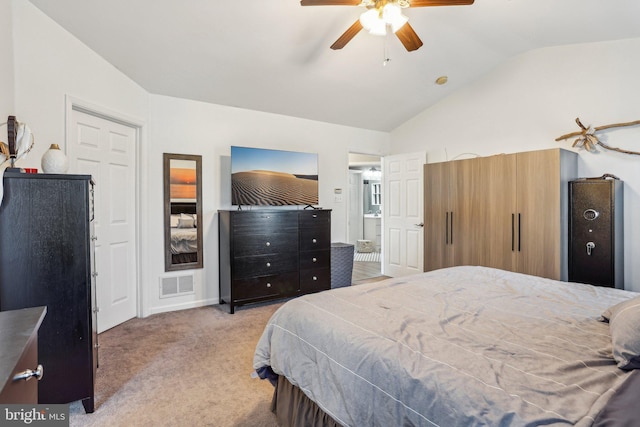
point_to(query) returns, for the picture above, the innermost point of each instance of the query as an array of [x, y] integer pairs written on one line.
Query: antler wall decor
[[588, 140]]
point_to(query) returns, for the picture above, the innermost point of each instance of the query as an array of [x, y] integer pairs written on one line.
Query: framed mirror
[[182, 211]]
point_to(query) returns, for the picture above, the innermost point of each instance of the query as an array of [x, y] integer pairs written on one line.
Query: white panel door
[[402, 214], [106, 150]]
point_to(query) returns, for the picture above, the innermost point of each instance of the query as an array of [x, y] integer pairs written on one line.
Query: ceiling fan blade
[[408, 37], [423, 3], [330, 2], [347, 36]]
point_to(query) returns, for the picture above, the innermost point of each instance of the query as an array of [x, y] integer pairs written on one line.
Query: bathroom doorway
[[365, 215]]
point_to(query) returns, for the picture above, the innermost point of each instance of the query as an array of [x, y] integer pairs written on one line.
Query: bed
[[184, 233], [463, 346]]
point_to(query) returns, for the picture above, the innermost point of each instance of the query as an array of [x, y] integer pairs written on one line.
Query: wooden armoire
[[508, 211], [46, 253]]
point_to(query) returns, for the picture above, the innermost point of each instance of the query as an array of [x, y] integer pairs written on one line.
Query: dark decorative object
[[20, 141], [12, 131]]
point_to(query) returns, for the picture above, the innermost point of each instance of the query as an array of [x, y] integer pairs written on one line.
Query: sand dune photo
[[271, 188], [265, 177]]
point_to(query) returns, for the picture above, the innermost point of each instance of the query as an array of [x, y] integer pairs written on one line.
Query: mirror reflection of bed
[[184, 236]]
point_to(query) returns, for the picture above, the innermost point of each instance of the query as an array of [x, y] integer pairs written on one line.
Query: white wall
[[529, 101], [6, 64], [50, 64], [191, 127]]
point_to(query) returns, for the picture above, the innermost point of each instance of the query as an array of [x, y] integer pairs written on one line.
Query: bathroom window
[[376, 195]]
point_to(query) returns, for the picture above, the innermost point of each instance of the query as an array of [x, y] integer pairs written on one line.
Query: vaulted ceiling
[[274, 55]]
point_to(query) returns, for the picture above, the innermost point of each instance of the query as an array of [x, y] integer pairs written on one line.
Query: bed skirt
[[293, 408], [186, 257]]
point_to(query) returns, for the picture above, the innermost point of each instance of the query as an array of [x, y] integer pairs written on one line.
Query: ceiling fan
[[383, 14]]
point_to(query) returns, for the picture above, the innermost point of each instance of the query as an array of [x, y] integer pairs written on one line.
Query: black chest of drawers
[[47, 254], [267, 254]]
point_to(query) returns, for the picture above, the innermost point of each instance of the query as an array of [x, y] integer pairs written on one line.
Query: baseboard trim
[[183, 306]]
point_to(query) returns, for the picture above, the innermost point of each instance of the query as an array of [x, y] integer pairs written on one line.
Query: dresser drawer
[[265, 265], [315, 259], [312, 239], [317, 279], [23, 391], [265, 287], [263, 244], [315, 218], [264, 222]]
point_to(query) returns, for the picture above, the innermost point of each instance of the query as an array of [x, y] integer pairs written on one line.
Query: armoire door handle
[[446, 229], [519, 232], [513, 231], [451, 237]]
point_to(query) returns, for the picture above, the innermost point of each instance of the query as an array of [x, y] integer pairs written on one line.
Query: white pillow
[[186, 221], [624, 325]]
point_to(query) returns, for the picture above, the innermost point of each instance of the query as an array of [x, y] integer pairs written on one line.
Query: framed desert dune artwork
[[264, 177]]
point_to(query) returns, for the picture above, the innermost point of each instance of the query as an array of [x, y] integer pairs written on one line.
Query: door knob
[[419, 225], [28, 374], [590, 246]]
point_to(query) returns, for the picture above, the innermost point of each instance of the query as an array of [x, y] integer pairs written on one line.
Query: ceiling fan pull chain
[[385, 53]]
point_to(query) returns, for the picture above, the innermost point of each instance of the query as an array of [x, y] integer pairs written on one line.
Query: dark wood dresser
[[19, 368], [46, 253], [272, 254]]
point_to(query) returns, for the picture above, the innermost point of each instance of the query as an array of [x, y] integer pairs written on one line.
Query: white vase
[[54, 160]]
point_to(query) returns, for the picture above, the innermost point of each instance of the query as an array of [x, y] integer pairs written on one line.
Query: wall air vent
[[176, 285]]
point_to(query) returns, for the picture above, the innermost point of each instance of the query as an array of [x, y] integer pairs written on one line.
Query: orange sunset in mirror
[[183, 183]]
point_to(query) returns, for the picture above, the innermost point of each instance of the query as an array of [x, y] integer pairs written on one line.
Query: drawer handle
[[315, 278], [268, 264], [315, 259], [315, 216], [314, 240], [268, 243], [268, 285], [28, 374]]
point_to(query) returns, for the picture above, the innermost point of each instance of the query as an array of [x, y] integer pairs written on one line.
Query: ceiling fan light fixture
[[372, 22], [392, 15], [376, 20]]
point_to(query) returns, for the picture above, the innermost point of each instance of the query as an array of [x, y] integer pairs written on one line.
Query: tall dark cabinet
[[46, 254], [596, 247], [270, 254]]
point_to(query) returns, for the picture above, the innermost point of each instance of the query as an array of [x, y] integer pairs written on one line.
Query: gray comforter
[[464, 346]]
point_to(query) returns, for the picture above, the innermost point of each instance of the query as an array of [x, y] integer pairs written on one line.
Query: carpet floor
[[183, 368]]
